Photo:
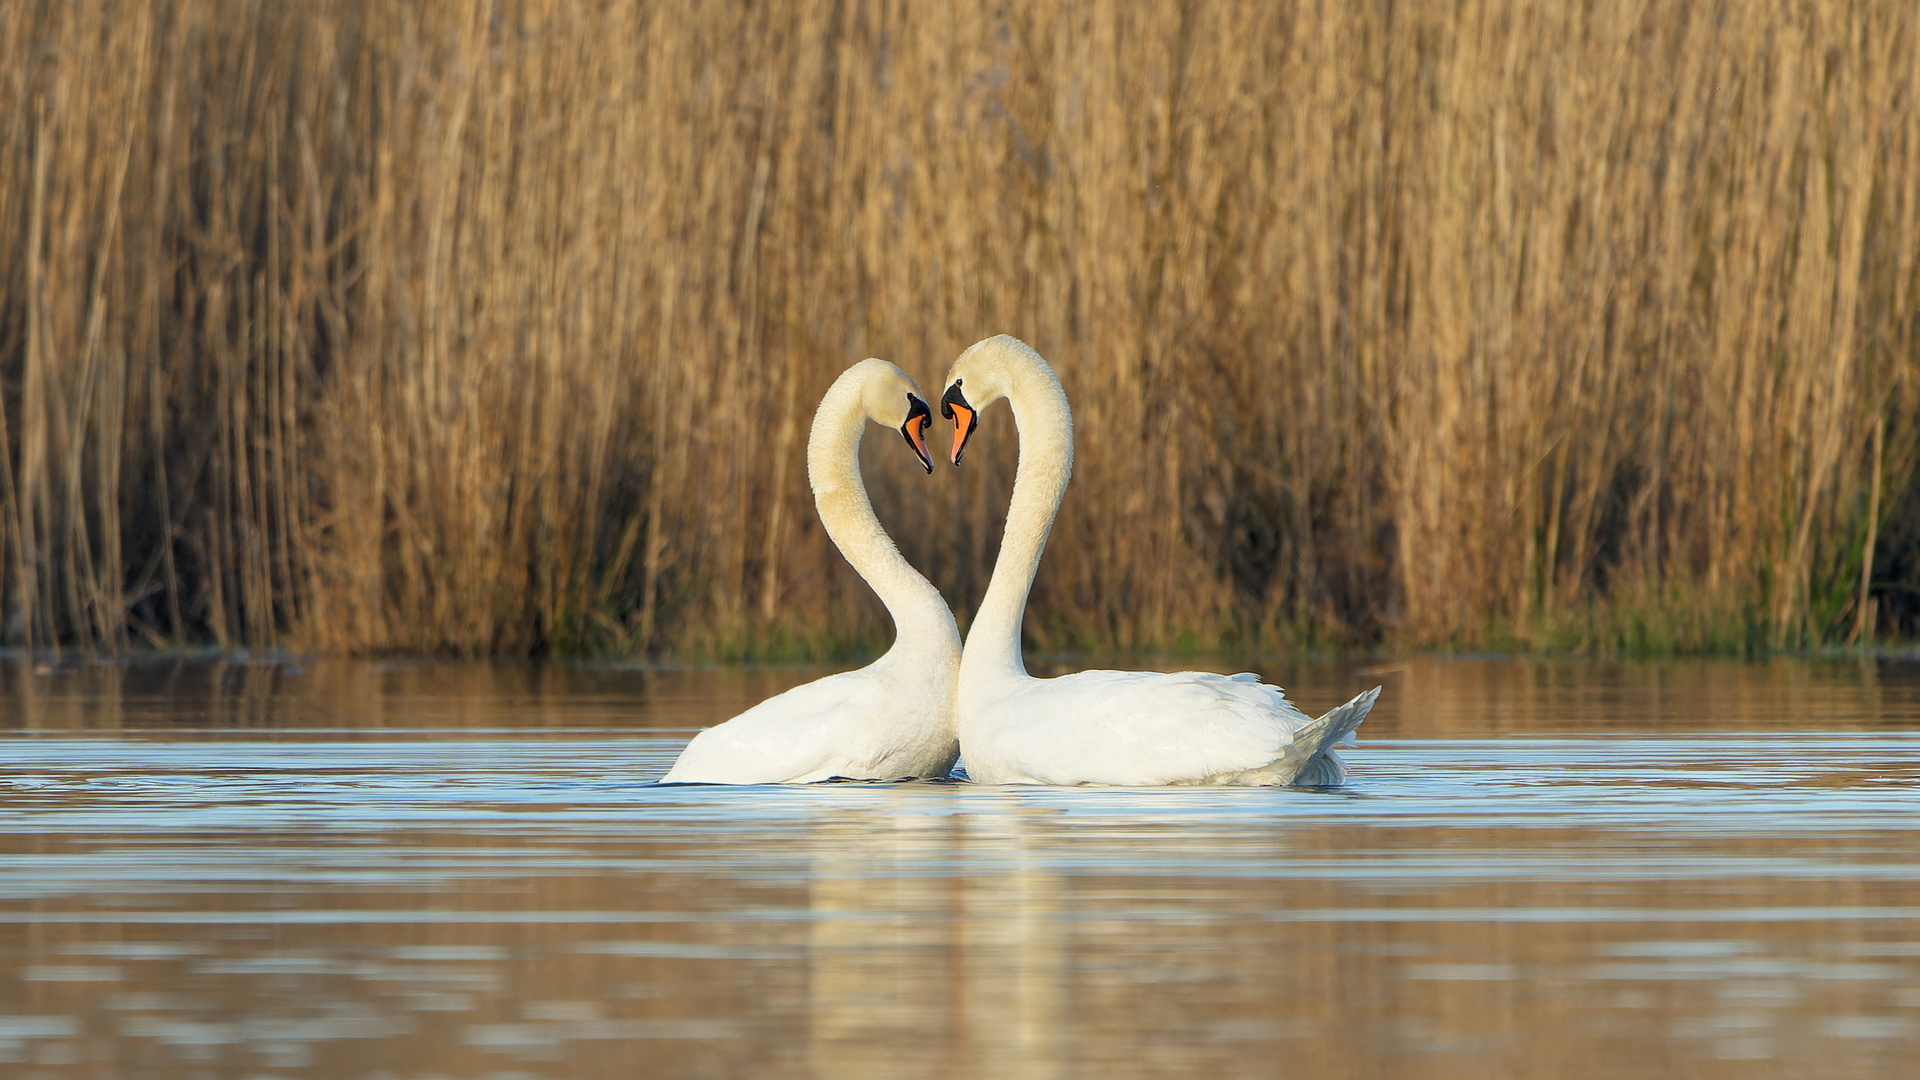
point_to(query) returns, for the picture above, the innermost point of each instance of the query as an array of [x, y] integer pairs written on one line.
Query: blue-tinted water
[[357, 871]]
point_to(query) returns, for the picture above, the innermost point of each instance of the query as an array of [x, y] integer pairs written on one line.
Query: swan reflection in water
[[918, 970]]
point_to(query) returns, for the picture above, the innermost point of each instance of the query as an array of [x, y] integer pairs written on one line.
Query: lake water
[[409, 870]]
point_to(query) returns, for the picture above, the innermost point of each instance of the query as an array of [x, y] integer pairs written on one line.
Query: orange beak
[[917, 436], [915, 430], [963, 422], [953, 406]]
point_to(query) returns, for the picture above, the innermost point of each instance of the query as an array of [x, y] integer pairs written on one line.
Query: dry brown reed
[[494, 327]]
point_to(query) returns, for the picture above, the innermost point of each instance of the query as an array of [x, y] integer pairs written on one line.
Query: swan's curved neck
[[921, 619], [1045, 424]]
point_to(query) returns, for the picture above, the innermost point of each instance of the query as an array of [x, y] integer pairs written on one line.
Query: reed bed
[[495, 328]]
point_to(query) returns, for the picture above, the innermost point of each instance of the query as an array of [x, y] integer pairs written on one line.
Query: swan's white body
[[892, 719], [1133, 728]]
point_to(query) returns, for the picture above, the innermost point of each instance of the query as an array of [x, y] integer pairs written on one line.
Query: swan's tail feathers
[[1317, 740]]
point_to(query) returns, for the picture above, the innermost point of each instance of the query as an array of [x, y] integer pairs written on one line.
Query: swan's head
[[984, 374], [891, 397]]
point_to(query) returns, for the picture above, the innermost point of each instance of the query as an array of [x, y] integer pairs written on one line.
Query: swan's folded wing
[[795, 737], [1142, 728]]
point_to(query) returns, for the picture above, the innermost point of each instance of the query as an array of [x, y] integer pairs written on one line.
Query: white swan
[[893, 718], [1133, 728]]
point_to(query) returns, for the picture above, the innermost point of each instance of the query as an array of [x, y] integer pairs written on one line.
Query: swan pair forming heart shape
[[912, 712]]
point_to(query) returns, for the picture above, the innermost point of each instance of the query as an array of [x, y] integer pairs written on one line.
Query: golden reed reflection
[[254, 693], [1425, 696]]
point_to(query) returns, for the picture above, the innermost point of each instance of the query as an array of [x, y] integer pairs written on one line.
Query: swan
[[1129, 728], [892, 719]]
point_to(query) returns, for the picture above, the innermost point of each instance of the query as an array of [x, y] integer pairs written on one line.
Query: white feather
[[857, 724], [1146, 728]]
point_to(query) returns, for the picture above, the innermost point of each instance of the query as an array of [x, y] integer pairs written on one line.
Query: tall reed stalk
[[495, 327]]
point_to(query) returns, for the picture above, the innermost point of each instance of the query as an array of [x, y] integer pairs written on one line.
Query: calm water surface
[[395, 870]]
